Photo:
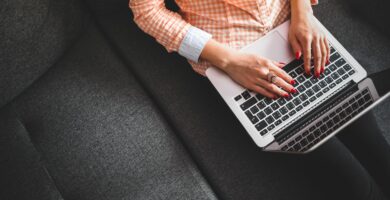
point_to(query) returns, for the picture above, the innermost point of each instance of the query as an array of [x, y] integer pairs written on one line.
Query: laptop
[[322, 107]]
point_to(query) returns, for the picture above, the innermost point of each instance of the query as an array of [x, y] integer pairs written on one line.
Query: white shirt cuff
[[193, 43]]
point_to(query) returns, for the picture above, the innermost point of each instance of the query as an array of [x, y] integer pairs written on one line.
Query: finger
[[317, 56], [306, 43], [282, 74], [296, 47], [262, 91], [284, 85], [279, 64], [328, 53], [324, 54], [272, 88]]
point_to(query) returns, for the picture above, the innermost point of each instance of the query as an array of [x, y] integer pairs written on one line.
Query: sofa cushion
[[23, 173], [100, 135], [34, 34]]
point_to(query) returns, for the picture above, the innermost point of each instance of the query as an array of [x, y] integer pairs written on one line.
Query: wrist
[[300, 9], [217, 54]]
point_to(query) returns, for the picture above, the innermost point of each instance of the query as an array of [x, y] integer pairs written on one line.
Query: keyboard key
[[310, 92], [341, 71], [275, 106], [325, 90], [313, 80], [305, 133], [299, 108], [340, 62], [261, 125], [319, 94], [306, 103], [270, 119], [296, 101], [326, 118], [332, 114], [322, 84], [312, 99], [281, 101], [277, 123], [345, 76], [303, 142], [328, 80], [347, 67], [293, 74], [252, 118], [284, 118], [316, 88], [291, 113], [261, 115], [334, 57], [246, 95], [301, 88], [267, 101], [332, 67], [270, 127], [254, 109], [283, 110], [261, 105], [297, 147], [302, 97], [335, 76], [263, 132], [332, 85], [298, 138], [310, 137], [367, 97], [248, 103], [290, 105], [307, 84], [336, 119], [327, 71], [299, 70], [338, 81], [332, 50], [351, 72], [268, 110], [300, 79], [284, 148], [237, 98], [276, 115]]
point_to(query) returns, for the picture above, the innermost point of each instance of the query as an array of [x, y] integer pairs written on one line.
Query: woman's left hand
[[307, 38]]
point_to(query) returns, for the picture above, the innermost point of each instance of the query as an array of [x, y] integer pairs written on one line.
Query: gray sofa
[[93, 108]]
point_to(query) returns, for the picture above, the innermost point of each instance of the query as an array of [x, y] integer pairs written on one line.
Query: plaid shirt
[[235, 23]]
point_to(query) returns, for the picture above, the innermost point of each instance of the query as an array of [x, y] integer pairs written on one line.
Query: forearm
[[300, 8]]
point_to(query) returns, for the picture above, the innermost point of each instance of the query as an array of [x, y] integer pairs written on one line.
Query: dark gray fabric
[[34, 34], [22, 172], [99, 134], [235, 167]]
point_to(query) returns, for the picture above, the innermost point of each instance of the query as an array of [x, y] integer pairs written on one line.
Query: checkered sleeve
[[167, 27]]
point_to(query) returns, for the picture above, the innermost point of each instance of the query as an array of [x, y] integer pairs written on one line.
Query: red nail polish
[[274, 97], [297, 55], [293, 91], [327, 62], [292, 82], [322, 70], [283, 63], [317, 74], [308, 73], [286, 95]]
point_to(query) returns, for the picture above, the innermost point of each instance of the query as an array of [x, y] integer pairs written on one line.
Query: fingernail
[[327, 62], [274, 97], [297, 55], [322, 70], [293, 91], [292, 82], [317, 74], [308, 73], [283, 63], [286, 95]]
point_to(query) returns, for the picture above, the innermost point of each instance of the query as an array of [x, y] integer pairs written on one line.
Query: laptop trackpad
[[272, 46]]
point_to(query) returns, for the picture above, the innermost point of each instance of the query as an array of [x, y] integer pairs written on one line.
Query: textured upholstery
[[34, 34], [100, 136]]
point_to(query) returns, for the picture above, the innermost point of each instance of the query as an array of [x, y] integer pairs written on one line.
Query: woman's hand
[[307, 38], [251, 72]]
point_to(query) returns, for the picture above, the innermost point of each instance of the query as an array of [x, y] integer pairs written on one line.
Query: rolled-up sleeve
[[168, 28]]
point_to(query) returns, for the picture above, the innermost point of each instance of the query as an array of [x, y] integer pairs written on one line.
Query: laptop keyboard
[[330, 122], [267, 114]]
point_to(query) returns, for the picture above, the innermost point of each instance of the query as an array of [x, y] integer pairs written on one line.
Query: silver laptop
[[322, 107]]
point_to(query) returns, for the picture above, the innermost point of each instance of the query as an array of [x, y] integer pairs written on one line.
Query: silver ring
[[271, 77]]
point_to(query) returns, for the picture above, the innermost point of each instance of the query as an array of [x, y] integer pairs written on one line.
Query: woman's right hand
[[251, 72]]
